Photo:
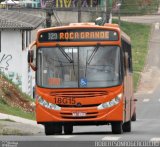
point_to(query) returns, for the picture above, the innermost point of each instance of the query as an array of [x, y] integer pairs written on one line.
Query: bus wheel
[[68, 129], [51, 129], [117, 128], [127, 126], [134, 116]]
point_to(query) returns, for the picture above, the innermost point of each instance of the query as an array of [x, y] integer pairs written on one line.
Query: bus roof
[[85, 24], [109, 25]]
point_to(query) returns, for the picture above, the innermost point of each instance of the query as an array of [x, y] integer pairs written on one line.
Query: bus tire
[[51, 129], [68, 129], [127, 126], [117, 128], [134, 116]]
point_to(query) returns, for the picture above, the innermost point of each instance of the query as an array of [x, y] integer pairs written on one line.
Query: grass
[[7, 120], [139, 7], [4, 108], [139, 34], [9, 131], [12, 131], [27, 97]]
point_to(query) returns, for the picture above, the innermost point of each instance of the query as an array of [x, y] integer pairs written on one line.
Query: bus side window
[[130, 58], [127, 49], [130, 64], [124, 61]]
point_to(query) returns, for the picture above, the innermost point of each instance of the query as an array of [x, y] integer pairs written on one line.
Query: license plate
[[78, 114]]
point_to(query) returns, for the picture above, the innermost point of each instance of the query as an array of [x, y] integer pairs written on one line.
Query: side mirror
[[30, 56]]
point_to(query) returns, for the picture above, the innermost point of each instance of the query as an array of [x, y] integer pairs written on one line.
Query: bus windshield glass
[[78, 67]]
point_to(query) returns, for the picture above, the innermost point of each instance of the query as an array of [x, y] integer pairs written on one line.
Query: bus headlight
[[48, 105], [111, 103]]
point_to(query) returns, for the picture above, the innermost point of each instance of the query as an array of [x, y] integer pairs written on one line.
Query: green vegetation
[[139, 34], [138, 7], [5, 108], [13, 101], [7, 120], [24, 95], [9, 131]]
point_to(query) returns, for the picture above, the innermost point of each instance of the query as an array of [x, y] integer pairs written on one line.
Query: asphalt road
[[147, 126]]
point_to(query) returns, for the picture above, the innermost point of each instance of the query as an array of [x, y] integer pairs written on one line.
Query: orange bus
[[83, 77]]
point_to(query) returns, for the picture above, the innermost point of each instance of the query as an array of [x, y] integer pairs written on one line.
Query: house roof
[[18, 20]]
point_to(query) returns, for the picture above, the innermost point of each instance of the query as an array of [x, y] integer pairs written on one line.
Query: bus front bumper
[[79, 115]]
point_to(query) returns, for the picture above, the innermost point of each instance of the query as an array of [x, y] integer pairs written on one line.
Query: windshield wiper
[[88, 61], [93, 53], [65, 54]]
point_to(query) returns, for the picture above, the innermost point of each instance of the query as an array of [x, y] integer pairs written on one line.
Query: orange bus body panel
[[109, 114], [114, 114]]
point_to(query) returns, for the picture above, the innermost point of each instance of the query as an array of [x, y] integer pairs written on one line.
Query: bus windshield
[[78, 67]]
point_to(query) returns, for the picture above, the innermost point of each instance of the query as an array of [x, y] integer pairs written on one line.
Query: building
[[17, 31], [67, 4], [30, 3]]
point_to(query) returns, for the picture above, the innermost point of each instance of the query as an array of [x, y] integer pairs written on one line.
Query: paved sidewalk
[[20, 120]]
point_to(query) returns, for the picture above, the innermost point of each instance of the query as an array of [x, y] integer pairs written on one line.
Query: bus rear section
[[82, 79]]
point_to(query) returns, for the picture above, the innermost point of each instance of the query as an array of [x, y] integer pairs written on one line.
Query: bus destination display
[[78, 35]]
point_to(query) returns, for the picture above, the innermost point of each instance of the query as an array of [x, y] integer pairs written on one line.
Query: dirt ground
[[12, 96]]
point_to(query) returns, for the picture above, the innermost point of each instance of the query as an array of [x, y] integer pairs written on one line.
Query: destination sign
[[78, 35]]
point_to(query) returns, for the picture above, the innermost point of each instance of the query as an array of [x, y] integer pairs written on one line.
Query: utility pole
[[118, 5], [119, 13], [6, 4], [49, 13], [110, 10], [107, 11], [79, 10]]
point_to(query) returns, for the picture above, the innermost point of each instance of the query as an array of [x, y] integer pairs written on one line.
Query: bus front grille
[[77, 106], [79, 94]]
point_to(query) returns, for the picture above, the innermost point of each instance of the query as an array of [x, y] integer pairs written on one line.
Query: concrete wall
[[11, 55], [13, 60]]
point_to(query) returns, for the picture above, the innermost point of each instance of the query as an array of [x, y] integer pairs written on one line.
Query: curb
[[20, 120]]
